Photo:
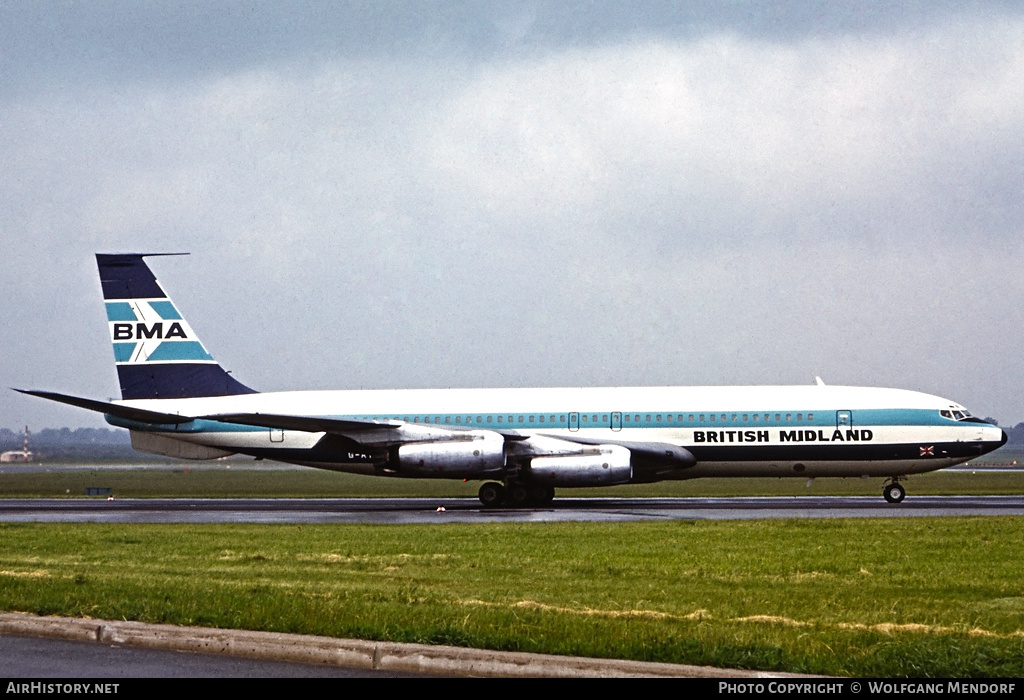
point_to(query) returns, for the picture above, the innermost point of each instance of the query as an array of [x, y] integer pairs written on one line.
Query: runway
[[469, 510]]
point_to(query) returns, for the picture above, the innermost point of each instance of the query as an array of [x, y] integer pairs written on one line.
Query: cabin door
[[616, 421]]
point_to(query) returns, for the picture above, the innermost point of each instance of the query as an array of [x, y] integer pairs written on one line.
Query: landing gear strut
[[894, 492]]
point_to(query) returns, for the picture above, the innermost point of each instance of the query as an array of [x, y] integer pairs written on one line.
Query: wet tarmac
[[469, 510]]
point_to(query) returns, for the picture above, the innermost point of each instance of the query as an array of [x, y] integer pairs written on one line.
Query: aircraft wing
[[662, 452], [359, 430], [310, 424]]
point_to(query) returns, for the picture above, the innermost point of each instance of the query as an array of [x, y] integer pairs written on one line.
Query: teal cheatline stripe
[[120, 311], [166, 310], [179, 350], [123, 351]]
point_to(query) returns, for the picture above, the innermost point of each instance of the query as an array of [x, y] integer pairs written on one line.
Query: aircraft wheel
[[491, 494], [542, 495], [518, 495], [894, 493]]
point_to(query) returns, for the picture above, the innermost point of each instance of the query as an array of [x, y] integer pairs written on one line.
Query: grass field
[[880, 597], [887, 597]]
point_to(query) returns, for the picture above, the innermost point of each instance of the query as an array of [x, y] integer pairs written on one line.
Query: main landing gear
[[515, 494], [894, 491]]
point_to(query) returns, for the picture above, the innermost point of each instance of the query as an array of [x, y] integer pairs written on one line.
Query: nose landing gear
[[894, 491]]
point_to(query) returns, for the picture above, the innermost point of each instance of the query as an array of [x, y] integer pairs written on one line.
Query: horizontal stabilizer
[[112, 409]]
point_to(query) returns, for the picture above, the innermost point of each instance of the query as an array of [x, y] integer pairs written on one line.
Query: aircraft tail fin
[[156, 353]]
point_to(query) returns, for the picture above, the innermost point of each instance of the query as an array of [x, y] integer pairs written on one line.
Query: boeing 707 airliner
[[522, 443]]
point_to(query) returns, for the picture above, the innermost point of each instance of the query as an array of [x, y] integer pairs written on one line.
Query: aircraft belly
[[811, 468], [361, 468]]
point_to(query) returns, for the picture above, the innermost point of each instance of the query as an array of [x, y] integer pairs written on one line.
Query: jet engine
[[474, 454], [599, 465]]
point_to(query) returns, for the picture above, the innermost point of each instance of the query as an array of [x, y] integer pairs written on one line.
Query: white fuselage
[[813, 430]]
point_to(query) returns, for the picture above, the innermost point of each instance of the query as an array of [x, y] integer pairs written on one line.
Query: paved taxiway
[[29, 657], [468, 510]]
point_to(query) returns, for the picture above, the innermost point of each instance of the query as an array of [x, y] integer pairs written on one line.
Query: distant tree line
[[52, 443], [1014, 435]]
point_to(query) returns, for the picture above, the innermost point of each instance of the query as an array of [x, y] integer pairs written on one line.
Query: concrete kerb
[[352, 653]]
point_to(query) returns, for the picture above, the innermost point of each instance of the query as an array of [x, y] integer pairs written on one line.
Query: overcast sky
[[453, 194]]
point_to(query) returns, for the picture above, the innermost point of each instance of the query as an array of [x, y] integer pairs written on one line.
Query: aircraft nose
[[994, 437]]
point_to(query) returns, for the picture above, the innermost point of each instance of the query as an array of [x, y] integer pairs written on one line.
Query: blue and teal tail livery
[[157, 354]]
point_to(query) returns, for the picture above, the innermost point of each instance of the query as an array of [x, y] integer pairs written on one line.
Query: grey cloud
[[639, 208]]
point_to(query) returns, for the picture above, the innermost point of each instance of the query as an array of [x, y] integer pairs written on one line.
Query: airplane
[[176, 400]]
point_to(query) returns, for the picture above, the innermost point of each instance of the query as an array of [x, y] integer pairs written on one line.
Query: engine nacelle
[[475, 454], [601, 465]]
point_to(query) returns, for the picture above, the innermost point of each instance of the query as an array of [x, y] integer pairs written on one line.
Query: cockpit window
[[955, 414]]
